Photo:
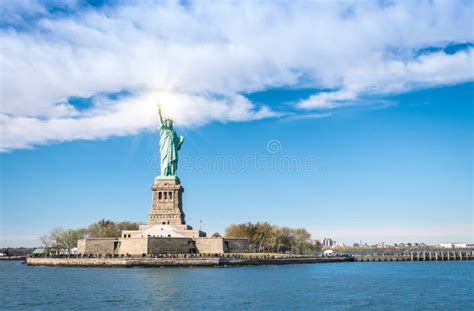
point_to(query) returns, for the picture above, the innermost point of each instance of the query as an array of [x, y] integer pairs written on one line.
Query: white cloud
[[396, 76], [206, 54], [125, 117]]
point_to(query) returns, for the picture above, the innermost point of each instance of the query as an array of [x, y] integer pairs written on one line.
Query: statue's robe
[[170, 143]]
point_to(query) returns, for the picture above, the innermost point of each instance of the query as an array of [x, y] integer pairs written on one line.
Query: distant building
[[446, 245], [328, 242], [356, 245], [216, 235], [317, 244], [453, 245]]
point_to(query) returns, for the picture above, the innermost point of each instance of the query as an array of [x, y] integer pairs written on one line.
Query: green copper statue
[[170, 143]]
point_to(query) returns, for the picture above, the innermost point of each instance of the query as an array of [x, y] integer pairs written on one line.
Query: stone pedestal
[[166, 204]]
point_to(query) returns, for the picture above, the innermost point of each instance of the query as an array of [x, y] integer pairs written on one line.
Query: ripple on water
[[390, 285]]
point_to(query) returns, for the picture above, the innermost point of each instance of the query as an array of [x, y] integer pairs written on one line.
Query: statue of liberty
[[170, 143]]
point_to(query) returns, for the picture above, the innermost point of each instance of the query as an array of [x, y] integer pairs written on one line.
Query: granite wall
[[133, 246], [236, 245], [96, 246], [210, 245], [170, 245], [161, 245]]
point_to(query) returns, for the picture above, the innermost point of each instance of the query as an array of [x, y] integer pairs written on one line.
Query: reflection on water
[[378, 285]]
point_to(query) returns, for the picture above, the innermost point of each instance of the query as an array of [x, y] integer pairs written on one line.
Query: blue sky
[[371, 104]]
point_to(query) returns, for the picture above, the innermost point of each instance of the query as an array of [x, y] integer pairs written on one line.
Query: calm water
[[358, 286]]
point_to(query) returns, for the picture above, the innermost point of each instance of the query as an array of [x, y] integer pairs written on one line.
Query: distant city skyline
[[359, 128]]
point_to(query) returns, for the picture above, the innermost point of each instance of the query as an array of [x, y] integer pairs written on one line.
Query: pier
[[432, 255]]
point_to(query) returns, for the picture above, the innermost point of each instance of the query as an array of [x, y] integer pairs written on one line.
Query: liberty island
[[166, 239]]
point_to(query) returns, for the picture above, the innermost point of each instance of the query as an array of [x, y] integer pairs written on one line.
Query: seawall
[[13, 258], [175, 262]]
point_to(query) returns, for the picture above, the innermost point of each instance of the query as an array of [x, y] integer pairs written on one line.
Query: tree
[[265, 237], [317, 246], [103, 229], [61, 240], [54, 240], [70, 238], [302, 240], [284, 239], [126, 225], [262, 236], [239, 231], [46, 240], [109, 229]]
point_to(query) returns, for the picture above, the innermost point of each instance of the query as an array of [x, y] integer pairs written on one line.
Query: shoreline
[[8, 258], [177, 262]]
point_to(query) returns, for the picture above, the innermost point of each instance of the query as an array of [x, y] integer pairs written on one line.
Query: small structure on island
[[166, 231], [41, 251], [328, 252]]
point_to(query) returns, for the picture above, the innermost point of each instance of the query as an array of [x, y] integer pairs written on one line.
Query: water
[[332, 286]]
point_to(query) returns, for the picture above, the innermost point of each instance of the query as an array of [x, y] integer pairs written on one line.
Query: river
[[330, 286]]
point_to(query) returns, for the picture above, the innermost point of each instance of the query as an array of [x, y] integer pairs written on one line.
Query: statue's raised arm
[[158, 106]]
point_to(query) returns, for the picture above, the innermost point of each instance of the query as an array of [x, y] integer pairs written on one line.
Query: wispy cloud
[[204, 55], [391, 76]]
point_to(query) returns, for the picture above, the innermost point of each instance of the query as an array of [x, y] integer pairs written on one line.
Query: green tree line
[[265, 237], [60, 239]]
